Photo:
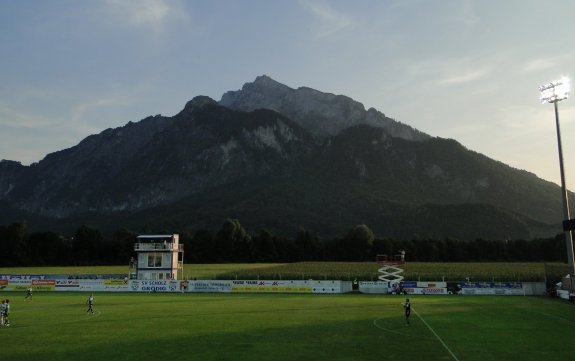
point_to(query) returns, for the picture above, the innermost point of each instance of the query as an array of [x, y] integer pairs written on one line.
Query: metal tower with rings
[[391, 271]]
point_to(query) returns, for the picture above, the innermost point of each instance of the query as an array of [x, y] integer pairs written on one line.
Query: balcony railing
[[158, 247]]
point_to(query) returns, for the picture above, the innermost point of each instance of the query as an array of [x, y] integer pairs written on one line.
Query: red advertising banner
[[43, 282]]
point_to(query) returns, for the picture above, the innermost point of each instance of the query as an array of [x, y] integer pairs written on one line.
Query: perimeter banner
[[374, 287], [271, 286], [493, 288], [112, 285], [419, 288], [17, 284], [210, 286], [43, 285], [266, 286], [155, 286]]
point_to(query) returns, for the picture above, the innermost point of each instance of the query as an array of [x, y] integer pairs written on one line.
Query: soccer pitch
[[55, 326]]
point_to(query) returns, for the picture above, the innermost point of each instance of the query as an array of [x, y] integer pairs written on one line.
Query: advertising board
[[374, 287], [265, 286], [271, 286], [154, 286], [43, 285], [492, 288], [210, 286]]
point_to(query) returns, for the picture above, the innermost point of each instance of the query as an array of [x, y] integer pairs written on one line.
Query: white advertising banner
[[266, 286], [373, 287], [272, 286], [420, 288], [68, 285], [155, 286], [210, 286], [493, 288], [80, 285], [112, 285]]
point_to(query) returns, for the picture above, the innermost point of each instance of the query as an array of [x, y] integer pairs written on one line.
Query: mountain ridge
[[279, 158]]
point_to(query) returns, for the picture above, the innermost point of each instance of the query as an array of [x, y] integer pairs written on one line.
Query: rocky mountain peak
[[197, 102], [267, 82], [322, 114]]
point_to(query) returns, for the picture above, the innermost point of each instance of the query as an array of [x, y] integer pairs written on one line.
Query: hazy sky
[[467, 70]]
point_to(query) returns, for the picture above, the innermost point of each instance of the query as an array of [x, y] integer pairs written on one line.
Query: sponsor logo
[[43, 282], [135, 285], [110, 282]]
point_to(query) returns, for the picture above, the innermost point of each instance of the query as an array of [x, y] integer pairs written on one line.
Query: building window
[[154, 260]]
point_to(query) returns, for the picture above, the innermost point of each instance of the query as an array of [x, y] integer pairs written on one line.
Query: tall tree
[[308, 244], [233, 242], [202, 247], [357, 243], [86, 245], [46, 249], [265, 247]]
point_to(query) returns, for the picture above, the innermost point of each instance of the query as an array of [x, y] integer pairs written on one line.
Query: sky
[[462, 69]]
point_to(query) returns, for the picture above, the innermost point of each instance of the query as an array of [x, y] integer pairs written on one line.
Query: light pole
[[554, 92]]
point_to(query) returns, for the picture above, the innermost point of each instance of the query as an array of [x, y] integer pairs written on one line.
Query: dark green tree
[[87, 245], [13, 245], [357, 243], [309, 245], [47, 249], [265, 247], [233, 243], [202, 248], [126, 240]]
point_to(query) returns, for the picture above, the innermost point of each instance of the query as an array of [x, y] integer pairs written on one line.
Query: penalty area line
[[557, 317], [436, 335]]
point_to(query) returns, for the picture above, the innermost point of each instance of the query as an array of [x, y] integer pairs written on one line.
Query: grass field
[[55, 326]]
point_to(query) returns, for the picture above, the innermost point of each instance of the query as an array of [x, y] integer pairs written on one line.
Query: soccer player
[[90, 303], [407, 307], [2, 311], [29, 294], [6, 313]]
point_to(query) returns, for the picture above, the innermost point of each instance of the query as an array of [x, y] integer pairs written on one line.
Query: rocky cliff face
[[279, 158], [322, 114], [158, 160]]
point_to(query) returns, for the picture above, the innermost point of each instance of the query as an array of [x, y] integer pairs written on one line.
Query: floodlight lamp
[[555, 91]]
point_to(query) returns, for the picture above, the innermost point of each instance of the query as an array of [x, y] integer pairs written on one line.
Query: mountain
[[322, 114], [278, 158]]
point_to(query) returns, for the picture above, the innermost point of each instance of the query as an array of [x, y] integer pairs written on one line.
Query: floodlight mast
[[554, 92]]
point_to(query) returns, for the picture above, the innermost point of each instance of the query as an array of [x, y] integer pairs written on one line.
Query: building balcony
[[173, 247]]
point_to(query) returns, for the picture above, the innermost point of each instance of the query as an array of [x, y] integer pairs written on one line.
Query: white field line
[[436, 335], [557, 317]]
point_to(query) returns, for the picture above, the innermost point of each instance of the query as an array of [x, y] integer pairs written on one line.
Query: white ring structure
[[390, 273]]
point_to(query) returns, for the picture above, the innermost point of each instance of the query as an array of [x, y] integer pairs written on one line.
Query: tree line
[[232, 243]]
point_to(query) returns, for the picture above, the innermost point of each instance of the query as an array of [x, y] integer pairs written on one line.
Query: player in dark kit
[[90, 303], [6, 313], [29, 294], [407, 307]]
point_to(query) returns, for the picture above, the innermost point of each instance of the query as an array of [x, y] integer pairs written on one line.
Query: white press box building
[[159, 257]]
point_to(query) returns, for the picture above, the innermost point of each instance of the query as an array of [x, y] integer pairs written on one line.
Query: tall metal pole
[[566, 213]]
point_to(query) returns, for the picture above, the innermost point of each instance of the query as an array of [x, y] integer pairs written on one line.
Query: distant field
[[199, 271], [496, 271], [424, 271], [55, 326]]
